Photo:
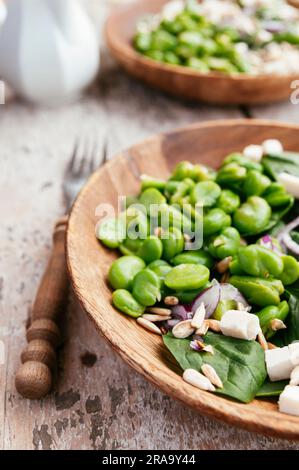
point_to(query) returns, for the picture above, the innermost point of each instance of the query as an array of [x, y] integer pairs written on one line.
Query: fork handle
[[34, 378]]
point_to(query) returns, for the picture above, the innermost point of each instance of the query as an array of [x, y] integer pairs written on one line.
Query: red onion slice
[[169, 324], [210, 297], [229, 292], [182, 312], [270, 243], [285, 238]]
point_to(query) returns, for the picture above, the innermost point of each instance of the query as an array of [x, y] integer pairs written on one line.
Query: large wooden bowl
[[183, 81], [89, 261]]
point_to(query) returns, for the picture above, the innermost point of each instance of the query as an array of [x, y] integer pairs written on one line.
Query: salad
[[209, 261], [228, 36]]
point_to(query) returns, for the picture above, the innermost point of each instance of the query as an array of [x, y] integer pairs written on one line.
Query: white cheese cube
[[272, 147], [289, 400], [278, 363], [294, 353], [240, 324], [253, 152], [290, 182]]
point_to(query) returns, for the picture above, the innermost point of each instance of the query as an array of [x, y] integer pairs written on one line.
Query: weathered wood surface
[[99, 402]]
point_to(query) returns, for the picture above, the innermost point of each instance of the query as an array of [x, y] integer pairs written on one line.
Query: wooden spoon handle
[[34, 378]]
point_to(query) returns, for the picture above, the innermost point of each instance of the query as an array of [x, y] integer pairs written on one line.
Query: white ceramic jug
[[49, 50]]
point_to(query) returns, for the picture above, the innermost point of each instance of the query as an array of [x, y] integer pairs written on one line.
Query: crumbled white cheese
[[289, 400], [272, 147], [240, 324], [278, 363], [294, 353], [253, 152], [290, 182]]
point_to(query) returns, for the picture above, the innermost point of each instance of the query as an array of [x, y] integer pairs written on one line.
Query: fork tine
[[72, 163]]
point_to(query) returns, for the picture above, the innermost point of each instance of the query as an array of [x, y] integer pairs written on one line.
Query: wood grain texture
[[89, 261], [99, 402], [182, 81]]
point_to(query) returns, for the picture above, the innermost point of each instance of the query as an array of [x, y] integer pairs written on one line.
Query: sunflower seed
[[152, 317], [262, 340], [209, 349], [203, 329], [199, 316], [192, 377], [223, 265], [277, 324], [183, 329], [171, 300], [212, 375], [148, 325], [159, 311], [214, 325]]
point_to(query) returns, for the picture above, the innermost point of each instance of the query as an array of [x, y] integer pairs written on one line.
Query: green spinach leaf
[[239, 363], [284, 162], [272, 389], [291, 333]]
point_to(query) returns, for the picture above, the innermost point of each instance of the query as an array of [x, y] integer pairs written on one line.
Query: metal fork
[[34, 378]]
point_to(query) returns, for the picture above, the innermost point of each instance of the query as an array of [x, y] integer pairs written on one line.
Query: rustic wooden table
[[99, 402]]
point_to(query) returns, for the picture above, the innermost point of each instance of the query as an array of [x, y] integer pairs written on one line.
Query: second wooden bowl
[[89, 261], [182, 81]]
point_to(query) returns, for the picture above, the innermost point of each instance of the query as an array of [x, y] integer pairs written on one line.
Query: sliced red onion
[[169, 324], [268, 242], [288, 228], [229, 292], [274, 26], [210, 297], [195, 346], [182, 312], [290, 244]]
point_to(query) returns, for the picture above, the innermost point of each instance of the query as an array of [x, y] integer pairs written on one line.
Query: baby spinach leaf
[[284, 162], [272, 389], [239, 363], [291, 333]]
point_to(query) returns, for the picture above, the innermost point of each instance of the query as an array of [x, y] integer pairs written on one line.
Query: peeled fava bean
[[261, 262], [123, 270], [290, 272], [258, 291], [214, 221], [146, 287], [173, 243], [151, 249], [124, 301], [193, 257], [243, 161], [253, 216], [268, 314], [111, 232], [228, 201], [205, 193], [225, 244], [255, 183], [187, 277]]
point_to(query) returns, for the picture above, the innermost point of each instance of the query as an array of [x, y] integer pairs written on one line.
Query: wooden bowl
[[183, 81], [89, 261]]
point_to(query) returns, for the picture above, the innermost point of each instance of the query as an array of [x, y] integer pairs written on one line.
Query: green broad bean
[[171, 216], [160, 267], [187, 277], [151, 249], [227, 243], [253, 216], [123, 270], [112, 232], [163, 41], [258, 291], [124, 301], [146, 287], [193, 257], [277, 196], [231, 176], [255, 183], [151, 197], [130, 201], [137, 222], [290, 273], [243, 161], [205, 193], [182, 170], [197, 64], [214, 221], [222, 307], [270, 313], [260, 262], [130, 246], [221, 64], [155, 55], [171, 58], [235, 267], [173, 243], [149, 182], [182, 190], [202, 173], [142, 42], [171, 187], [228, 201]]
